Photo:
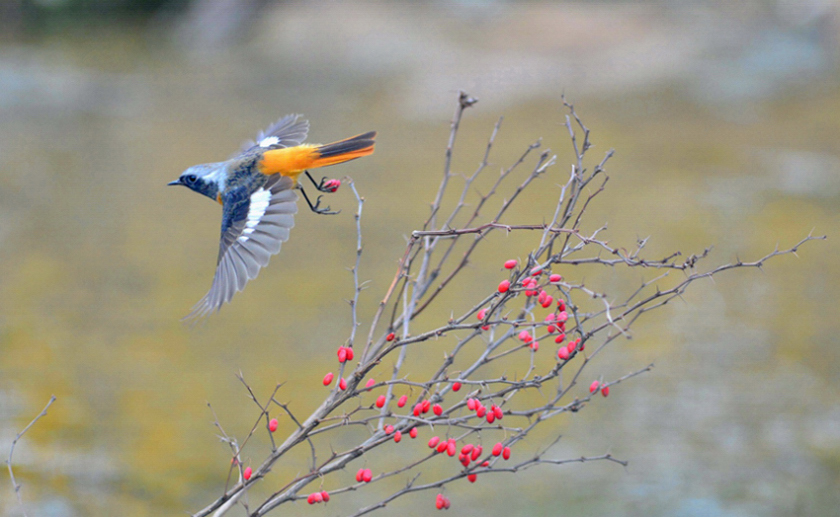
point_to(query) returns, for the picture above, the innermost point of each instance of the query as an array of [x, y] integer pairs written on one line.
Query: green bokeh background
[[726, 125]]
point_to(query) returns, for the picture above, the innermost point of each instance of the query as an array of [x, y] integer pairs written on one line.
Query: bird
[[256, 189]]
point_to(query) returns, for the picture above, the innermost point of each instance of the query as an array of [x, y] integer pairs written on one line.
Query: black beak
[[176, 182]]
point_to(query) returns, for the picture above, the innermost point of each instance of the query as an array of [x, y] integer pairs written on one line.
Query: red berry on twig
[[367, 475], [472, 478], [413, 432], [433, 442], [401, 402], [563, 353], [510, 264], [555, 278], [390, 337], [369, 383], [247, 473], [456, 386], [272, 425], [605, 391], [328, 378], [594, 386], [325, 496], [389, 429], [504, 285], [342, 384], [506, 453], [359, 475], [380, 401], [497, 449], [437, 410], [425, 405], [398, 436]]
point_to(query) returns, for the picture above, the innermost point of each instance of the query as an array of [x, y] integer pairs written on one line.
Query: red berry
[[465, 460], [442, 446], [318, 497], [349, 353], [331, 185], [342, 354], [325, 496], [398, 436], [485, 327], [594, 386], [439, 502], [504, 285], [472, 478], [311, 499], [369, 383], [480, 411], [272, 425], [561, 304], [497, 449], [417, 409], [367, 475], [359, 475], [605, 391], [559, 339], [555, 278], [537, 271], [433, 442], [525, 336], [437, 410], [413, 432], [401, 402], [380, 401], [446, 503], [506, 453], [425, 405], [471, 404], [581, 345], [547, 302], [562, 317], [389, 429], [498, 412], [328, 378], [541, 297], [510, 264], [451, 448], [491, 417], [481, 314], [342, 384], [551, 329], [550, 317], [466, 449], [534, 346], [390, 337], [247, 473], [476, 452], [456, 386], [563, 353]]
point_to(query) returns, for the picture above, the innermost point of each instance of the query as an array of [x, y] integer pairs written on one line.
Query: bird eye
[[190, 178]]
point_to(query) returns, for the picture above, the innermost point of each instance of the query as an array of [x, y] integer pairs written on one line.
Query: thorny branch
[[15, 485], [468, 394]]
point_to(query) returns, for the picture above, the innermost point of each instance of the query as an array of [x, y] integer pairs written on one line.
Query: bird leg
[[317, 206]]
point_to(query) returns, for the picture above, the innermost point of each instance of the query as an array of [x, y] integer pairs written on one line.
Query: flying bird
[[256, 189]]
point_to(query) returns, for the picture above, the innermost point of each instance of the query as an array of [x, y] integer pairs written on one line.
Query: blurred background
[[725, 118]]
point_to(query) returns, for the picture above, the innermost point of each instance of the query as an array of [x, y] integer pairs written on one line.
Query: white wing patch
[[269, 141], [256, 211]]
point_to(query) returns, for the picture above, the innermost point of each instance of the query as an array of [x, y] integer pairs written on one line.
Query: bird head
[[206, 179]]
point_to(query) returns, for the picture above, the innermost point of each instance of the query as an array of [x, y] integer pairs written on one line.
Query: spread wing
[[254, 226], [289, 131]]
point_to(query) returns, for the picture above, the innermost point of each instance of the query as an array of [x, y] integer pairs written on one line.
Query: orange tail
[[292, 161]]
